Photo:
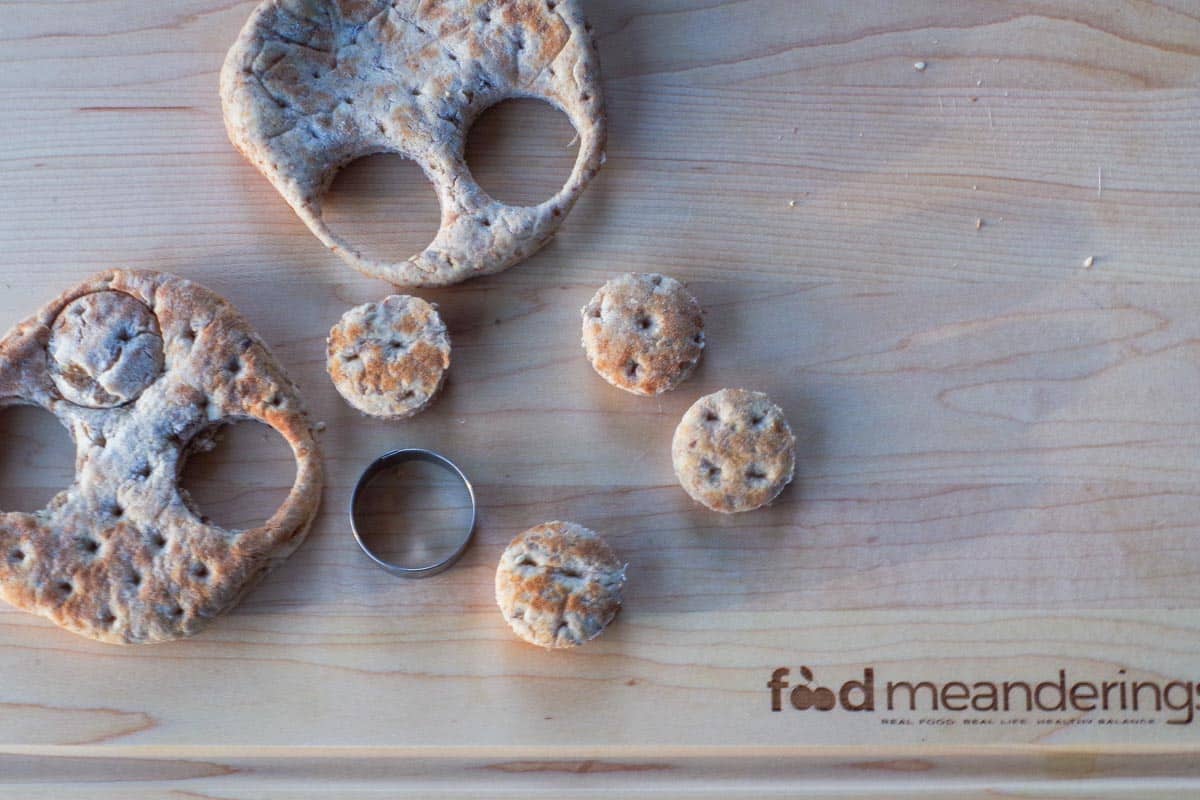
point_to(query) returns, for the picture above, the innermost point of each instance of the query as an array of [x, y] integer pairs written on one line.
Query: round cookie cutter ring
[[391, 459]]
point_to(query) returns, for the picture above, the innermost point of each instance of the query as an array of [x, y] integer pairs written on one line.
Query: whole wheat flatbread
[[311, 85], [389, 359], [734, 451], [559, 584], [142, 368], [643, 333]]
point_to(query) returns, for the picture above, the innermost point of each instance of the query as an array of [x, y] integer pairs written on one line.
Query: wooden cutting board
[[958, 243]]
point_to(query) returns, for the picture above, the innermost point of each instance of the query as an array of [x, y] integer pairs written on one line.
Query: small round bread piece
[[734, 451], [105, 348], [643, 333], [559, 584], [389, 359]]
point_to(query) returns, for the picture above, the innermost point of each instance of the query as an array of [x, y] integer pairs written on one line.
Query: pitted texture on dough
[[643, 333], [559, 584], [119, 556], [105, 348], [389, 359], [311, 85], [734, 451]]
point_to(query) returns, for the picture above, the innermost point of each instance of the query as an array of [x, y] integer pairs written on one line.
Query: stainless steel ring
[[399, 457]]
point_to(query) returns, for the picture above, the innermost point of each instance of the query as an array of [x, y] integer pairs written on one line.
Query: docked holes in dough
[[521, 152], [383, 205], [243, 479], [37, 459], [414, 513]]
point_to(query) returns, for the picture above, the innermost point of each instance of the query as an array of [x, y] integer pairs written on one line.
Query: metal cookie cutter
[[399, 457]]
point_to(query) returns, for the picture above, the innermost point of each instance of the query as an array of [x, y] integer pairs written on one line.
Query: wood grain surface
[[957, 242]]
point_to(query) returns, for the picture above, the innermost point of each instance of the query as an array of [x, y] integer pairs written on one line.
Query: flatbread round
[[559, 584], [643, 333], [389, 359], [734, 451]]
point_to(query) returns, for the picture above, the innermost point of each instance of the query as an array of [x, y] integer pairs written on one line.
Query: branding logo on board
[[1113, 700]]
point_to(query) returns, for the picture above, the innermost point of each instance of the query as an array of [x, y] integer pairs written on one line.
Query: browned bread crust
[[119, 556]]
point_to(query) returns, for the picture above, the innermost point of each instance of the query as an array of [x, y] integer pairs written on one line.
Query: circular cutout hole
[[414, 514], [384, 206], [522, 151], [243, 479], [37, 459]]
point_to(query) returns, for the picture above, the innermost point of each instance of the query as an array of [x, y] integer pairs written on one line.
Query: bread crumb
[[791, 203], [978, 223], [1089, 262], [920, 66]]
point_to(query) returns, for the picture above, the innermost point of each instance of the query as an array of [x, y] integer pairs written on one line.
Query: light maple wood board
[[1000, 446]]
